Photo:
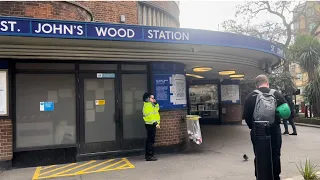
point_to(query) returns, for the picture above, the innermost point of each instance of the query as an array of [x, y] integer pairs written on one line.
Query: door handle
[[116, 119]]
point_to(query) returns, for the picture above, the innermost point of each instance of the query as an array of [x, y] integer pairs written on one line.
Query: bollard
[[264, 166]]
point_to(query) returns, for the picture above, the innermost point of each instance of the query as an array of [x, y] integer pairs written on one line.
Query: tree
[[288, 12], [306, 52], [271, 31]]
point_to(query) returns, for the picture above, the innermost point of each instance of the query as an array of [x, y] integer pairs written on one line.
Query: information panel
[[230, 93], [4, 100], [170, 91]]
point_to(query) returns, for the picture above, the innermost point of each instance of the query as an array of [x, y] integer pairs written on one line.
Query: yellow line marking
[[128, 162], [104, 168], [53, 170], [127, 165], [36, 173], [91, 167], [42, 169], [90, 162], [89, 172]]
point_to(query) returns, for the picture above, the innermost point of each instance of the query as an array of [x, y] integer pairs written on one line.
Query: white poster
[[178, 89], [3, 93], [230, 93]]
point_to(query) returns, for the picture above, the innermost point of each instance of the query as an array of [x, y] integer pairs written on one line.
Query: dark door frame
[[93, 75]]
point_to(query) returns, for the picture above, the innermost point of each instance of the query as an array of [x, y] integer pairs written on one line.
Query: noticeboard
[[170, 91], [4, 93], [230, 94]]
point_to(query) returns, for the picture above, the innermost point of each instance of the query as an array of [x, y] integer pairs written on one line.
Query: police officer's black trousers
[[276, 143], [151, 133]]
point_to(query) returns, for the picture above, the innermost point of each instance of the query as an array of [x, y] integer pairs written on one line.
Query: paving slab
[[218, 158]]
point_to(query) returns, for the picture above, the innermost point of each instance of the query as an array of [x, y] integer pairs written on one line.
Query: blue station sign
[[11, 26]]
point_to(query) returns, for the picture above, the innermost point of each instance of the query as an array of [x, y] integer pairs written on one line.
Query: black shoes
[[151, 159], [287, 133]]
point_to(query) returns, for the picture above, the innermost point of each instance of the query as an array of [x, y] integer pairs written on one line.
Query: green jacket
[[151, 113]]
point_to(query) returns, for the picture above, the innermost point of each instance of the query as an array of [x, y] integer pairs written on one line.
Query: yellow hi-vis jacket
[[151, 113]]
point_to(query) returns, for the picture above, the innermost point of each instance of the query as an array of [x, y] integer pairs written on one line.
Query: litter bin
[[193, 128]]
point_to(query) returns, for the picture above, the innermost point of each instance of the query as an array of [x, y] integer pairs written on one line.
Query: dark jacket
[[291, 104], [250, 103]]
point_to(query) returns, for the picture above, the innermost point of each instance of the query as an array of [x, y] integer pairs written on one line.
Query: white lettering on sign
[[6, 26], [62, 29], [114, 32], [272, 48], [168, 35], [280, 51]]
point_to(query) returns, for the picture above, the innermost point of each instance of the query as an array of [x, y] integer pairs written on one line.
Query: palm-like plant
[[308, 171], [306, 52]]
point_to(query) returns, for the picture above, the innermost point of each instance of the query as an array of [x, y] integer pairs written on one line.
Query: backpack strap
[[257, 91], [272, 91]]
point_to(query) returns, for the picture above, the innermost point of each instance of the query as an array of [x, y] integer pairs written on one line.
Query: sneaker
[[285, 133], [294, 134], [151, 159]]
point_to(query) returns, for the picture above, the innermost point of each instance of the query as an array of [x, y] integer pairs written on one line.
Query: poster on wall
[[170, 90], [4, 93], [230, 93]]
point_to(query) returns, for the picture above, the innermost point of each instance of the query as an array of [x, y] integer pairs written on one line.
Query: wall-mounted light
[[122, 18], [195, 76], [227, 72], [236, 76], [202, 69]]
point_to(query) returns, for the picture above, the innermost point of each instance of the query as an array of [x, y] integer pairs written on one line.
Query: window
[[45, 66], [151, 16], [129, 67], [38, 126], [133, 88], [204, 100]]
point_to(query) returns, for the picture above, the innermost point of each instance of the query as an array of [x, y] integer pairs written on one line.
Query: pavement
[[220, 157]]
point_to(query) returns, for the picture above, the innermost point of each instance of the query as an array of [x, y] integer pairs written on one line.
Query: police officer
[[151, 119], [262, 84]]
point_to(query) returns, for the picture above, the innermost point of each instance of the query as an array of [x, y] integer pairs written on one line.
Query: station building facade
[[73, 75]]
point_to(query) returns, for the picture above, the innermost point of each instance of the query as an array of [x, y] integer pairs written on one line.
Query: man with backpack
[[261, 105]]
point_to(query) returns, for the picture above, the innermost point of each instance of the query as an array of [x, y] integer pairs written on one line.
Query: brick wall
[[44, 10], [5, 139], [110, 11], [105, 11], [233, 113], [173, 129]]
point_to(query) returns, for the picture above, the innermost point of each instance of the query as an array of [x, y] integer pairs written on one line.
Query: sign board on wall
[[170, 91], [4, 98], [230, 93], [46, 106], [89, 30]]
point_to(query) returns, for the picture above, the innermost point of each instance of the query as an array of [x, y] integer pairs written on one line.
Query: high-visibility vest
[[151, 113]]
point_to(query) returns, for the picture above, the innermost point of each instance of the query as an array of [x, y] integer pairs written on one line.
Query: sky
[[209, 15]]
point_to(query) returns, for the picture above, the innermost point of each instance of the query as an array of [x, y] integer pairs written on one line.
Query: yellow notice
[[100, 102]]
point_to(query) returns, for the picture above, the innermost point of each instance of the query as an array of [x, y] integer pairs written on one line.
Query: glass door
[[98, 113], [133, 88]]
